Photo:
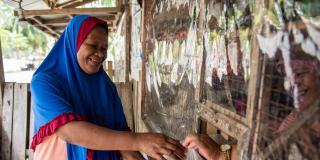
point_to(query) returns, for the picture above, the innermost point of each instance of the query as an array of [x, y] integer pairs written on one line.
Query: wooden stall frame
[[146, 13], [241, 124]]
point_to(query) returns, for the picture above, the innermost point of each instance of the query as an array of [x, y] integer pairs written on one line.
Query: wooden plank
[[128, 41], [125, 93], [2, 80], [65, 21], [135, 105], [222, 120], [30, 126], [200, 90], [7, 121], [89, 11], [145, 25], [19, 128], [254, 83]]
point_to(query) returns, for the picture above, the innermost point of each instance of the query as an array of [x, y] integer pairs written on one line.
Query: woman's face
[[308, 85], [93, 51]]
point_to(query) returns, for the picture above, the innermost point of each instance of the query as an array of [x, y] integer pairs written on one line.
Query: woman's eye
[[92, 45], [301, 73]]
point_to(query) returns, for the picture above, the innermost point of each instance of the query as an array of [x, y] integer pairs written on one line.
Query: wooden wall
[[17, 123]]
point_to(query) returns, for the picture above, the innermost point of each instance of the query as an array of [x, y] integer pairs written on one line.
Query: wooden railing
[[17, 122], [17, 119]]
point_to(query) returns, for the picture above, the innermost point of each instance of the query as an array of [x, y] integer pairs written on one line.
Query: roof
[[52, 16]]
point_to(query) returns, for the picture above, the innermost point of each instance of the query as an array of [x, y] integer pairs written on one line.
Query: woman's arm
[[99, 138]]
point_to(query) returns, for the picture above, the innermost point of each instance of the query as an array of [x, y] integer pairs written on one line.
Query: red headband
[[85, 28]]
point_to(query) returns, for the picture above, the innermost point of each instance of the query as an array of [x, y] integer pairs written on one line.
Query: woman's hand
[[131, 155], [204, 145], [158, 145]]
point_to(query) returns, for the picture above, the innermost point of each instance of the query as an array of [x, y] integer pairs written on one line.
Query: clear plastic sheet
[[117, 49], [173, 70], [193, 155], [136, 54], [286, 37]]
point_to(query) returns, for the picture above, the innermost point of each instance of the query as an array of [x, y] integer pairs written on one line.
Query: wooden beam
[[59, 28], [73, 4], [89, 11], [65, 21], [39, 21], [59, 21]]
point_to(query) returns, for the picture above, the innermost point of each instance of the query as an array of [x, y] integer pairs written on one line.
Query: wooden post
[[19, 126], [127, 88], [7, 121], [110, 70], [30, 127], [145, 39], [2, 80], [128, 41], [200, 90]]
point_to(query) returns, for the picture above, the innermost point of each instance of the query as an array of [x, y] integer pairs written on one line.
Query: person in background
[[304, 141], [77, 110]]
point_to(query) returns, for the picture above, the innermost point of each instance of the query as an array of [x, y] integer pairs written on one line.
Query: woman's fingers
[[176, 150], [169, 153], [190, 138], [156, 145]]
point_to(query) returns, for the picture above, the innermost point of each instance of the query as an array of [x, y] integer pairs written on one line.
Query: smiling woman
[[78, 112], [94, 51]]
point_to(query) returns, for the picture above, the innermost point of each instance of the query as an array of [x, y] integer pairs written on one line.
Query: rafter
[[39, 21], [89, 11], [65, 21]]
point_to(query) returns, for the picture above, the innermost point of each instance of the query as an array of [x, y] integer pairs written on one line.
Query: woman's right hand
[[158, 145]]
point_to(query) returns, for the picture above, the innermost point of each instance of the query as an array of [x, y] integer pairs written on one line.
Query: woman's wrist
[[215, 156], [137, 142]]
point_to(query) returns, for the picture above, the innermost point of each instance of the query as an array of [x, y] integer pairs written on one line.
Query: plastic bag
[[193, 155]]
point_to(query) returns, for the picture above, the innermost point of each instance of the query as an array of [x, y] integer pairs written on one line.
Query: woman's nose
[[101, 52]]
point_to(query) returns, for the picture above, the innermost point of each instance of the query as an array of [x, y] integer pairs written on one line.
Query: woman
[[78, 113]]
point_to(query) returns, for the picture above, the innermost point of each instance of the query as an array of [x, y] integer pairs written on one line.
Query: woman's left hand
[[131, 155], [204, 145]]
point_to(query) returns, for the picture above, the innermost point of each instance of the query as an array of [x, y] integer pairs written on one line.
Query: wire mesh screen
[[289, 121], [228, 49]]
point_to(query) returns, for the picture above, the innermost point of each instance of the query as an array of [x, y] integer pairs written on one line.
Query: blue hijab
[[62, 92]]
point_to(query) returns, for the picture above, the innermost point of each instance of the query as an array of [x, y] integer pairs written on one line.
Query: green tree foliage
[[100, 3], [19, 40]]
